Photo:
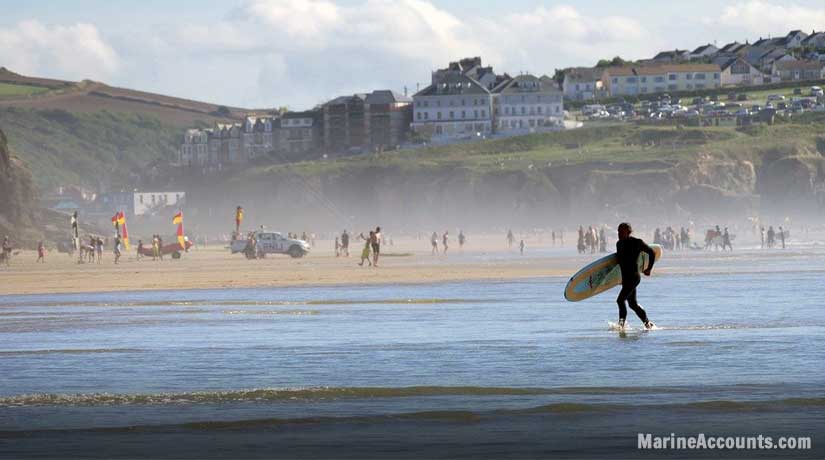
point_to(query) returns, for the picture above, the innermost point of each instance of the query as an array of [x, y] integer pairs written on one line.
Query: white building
[[737, 71], [583, 83], [257, 137], [146, 202], [636, 80], [458, 104], [704, 51], [195, 148], [526, 104]]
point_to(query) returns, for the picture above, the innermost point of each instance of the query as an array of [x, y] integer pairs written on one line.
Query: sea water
[[475, 369]]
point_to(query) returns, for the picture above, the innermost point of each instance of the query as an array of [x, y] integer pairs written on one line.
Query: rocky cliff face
[[18, 198], [772, 183]]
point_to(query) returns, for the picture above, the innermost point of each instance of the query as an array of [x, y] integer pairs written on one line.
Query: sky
[[299, 53]]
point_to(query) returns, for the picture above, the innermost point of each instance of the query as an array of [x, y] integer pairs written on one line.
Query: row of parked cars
[[666, 107]]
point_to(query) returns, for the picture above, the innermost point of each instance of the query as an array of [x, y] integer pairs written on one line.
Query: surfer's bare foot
[[621, 323], [649, 325]]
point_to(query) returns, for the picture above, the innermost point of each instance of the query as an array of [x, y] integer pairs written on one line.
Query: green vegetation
[[91, 149], [11, 90], [653, 147]]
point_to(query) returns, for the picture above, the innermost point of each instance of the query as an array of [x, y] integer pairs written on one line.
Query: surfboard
[[601, 275]]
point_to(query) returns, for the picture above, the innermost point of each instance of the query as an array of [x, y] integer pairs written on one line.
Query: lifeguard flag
[[238, 216], [124, 234], [178, 219]]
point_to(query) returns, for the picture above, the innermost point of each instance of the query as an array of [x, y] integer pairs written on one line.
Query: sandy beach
[[214, 267]]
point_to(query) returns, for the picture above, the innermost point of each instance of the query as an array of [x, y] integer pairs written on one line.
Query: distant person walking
[[434, 242], [139, 250], [155, 247], [365, 253], [521, 247], [337, 247], [41, 252], [771, 236], [726, 240], [376, 246], [7, 250], [510, 238], [782, 236], [345, 243], [461, 239], [445, 239], [117, 249]]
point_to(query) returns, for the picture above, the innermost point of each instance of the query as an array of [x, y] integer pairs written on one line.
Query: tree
[[616, 61]]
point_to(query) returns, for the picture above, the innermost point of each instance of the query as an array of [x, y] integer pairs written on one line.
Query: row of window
[[520, 124], [532, 110], [452, 114], [452, 102], [671, 77]]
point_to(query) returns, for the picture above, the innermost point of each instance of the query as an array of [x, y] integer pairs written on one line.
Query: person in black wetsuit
[[628, 249]]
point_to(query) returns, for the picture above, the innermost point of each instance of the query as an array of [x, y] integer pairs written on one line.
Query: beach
[[406, 261]]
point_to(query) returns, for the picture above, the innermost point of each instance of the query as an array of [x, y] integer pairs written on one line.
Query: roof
[[453, 83], [670, 54], [385, 96], [813, 37], [347, 99], [661, 69], [584, 73], [799, 65], [703, 48], [527, 83], [733, 47], [304, 114]]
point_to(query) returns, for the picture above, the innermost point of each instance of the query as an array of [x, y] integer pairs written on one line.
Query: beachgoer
[[345, 243], [7, 250], [376, 246], [510, 238], [160, 247], [140, 250], [365, 253], [628, 249], [434, 242], [782, 236], [521, 247], [117, 249], [41, 252], [444, 241], [461, 239], [602, 241], [726, 240], [337, 247]]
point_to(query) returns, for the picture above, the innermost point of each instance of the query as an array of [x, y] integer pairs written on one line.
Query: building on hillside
[[458, 104], [225, 144], [815, 40], [798, 70], [376, 120], [388, 119], [733, 48], [637, 80], [526, 104], [257, 137], [195, 148], [298, 133], [737, 71], [794, 39], [583, 83], [765, 61], [702, 52]]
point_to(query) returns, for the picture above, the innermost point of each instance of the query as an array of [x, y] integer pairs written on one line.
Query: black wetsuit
[[628, 251]]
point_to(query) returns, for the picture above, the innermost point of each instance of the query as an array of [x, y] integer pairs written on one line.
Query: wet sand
[[407, 261]]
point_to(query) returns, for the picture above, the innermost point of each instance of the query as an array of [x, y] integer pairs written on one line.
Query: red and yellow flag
[[238, 217], [119, 221], [178, 219]]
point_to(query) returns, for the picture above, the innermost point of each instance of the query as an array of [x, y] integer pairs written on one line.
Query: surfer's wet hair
[[625, 226]]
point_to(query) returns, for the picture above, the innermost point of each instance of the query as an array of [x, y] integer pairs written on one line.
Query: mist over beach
[[372, 229]]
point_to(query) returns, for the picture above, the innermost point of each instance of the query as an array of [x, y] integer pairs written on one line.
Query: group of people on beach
[[772, 236], [372, 244], [591, 240], [671, 239], [445, 241]]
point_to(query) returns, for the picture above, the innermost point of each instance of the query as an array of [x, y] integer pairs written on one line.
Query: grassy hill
[[92, 134]]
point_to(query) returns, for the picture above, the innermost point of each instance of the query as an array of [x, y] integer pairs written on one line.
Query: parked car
[[270, 243], [816, 91], [776, 97]]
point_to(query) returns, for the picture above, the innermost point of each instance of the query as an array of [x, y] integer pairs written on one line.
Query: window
[[631, 79], [672, 77], [615, 81], [716, 76], [463, 113], [539, 109], [452, 114], [700, 76], [523, 110], [419, 115], [672, 87], [475, 113], [644, 79], [426, 115], [700, 85], [483, 113], [438, 115], [659, 79]]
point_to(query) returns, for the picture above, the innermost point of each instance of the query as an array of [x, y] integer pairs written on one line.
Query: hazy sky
[[267, 53]]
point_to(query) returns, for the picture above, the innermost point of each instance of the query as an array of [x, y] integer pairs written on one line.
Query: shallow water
[[418, 370]]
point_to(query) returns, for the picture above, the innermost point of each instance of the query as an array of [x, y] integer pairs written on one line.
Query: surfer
[[628, 249]]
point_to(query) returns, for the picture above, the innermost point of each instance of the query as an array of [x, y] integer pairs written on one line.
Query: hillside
[[649, 173], [18, 202], [92, 134]]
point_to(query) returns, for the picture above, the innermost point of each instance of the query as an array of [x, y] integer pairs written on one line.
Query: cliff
[[18, 198]]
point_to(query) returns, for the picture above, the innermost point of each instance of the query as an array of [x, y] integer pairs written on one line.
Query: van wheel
[[296, 252]]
